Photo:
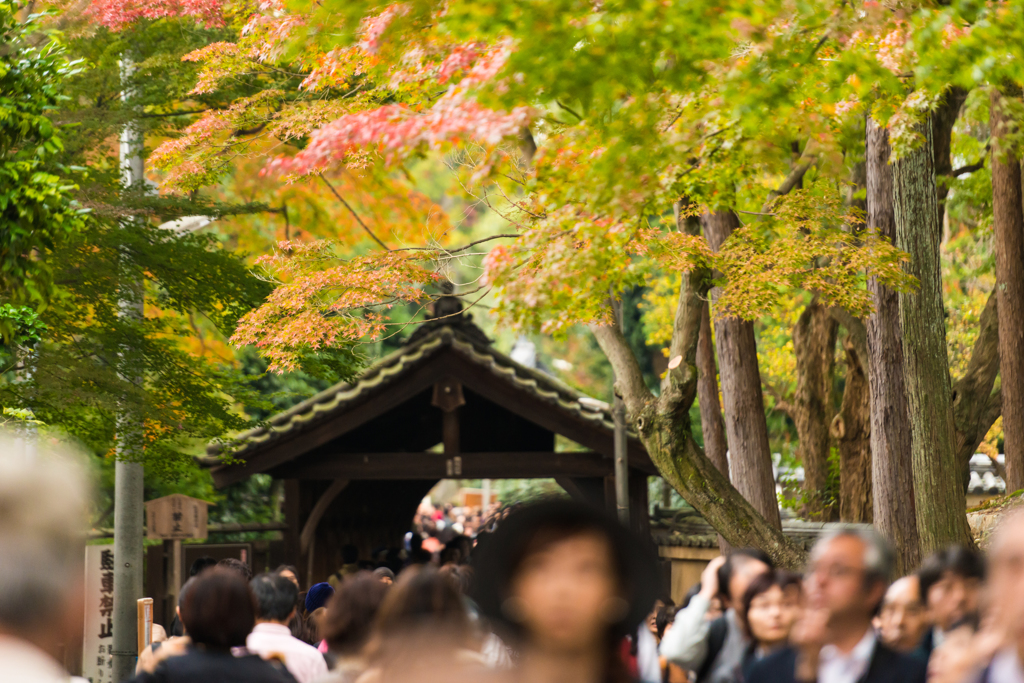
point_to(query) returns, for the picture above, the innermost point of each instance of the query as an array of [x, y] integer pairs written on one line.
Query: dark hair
[[351, 612], [728, 568], [288, 568], [961, 561], [349, 554], [201, 563], [664, 616], [218, 611], [762, 584], [238, 566], [423, 597], [460, 576], [275, 595], [970, 620]]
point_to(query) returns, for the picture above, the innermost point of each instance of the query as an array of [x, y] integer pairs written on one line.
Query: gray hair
[[879, 560], [44, 503]]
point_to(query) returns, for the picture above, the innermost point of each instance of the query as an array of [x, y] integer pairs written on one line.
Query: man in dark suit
[[834, 642]]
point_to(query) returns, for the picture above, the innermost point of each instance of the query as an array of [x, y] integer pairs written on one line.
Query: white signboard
[[97, 664]]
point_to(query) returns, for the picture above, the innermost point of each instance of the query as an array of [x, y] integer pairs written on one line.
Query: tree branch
[[972, 393], [807, 159], [969, 168], [354, 214], [629, 379]]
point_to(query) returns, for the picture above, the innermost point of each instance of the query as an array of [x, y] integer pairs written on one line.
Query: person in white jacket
[[714, 649]]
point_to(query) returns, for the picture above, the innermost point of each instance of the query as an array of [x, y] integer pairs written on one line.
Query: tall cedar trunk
[[814, 343], [891, 467], [1009, 229], [851, 428], [712, 425], [711, 422], [941, 504], [745, 425]]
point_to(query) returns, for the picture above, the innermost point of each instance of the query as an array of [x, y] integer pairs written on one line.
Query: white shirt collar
[[836, 667], [276, 629]]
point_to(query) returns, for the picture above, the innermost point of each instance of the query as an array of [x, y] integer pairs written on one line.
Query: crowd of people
[[554, 592]]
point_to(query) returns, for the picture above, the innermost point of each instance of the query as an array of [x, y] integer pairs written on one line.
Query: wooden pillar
[[640, 518], [292, 513]]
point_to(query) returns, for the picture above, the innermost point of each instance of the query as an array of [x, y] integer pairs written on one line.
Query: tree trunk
[[851, 428], [711, 422], [814, 343], [975, 407], [1008, 221], [663, 425], [746, 429], [941, 506], [893, 502]]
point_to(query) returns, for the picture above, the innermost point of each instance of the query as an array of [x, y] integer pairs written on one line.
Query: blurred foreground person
[[834, 642], [276, 596], [955, 661], [43, 509], [218, 613], [714, 648], [951, 582], [903, 621], [422, 633], [771, 606], [567, 583], [348, 623], [1003, 631]]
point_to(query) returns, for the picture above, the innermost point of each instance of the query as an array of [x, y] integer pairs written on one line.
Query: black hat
[[496, 560]]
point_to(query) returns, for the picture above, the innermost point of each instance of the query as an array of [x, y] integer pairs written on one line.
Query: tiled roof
[[392, 367]]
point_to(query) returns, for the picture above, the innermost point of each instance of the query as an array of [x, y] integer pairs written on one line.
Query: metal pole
[[621, 463], [128, 475]]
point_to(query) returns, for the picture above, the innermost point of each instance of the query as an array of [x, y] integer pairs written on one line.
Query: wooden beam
[[523, 465], [324, 502]]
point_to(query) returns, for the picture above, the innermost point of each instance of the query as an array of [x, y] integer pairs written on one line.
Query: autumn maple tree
[[755, 154]]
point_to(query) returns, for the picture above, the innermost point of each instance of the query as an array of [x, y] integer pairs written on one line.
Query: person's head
[[237, 566], [771, 605], [199, 564], [903, 619], [384, 575], [422, 617], [275, 598], [351, 613], [317, 596], [951, 582], [847, 576], [740, 568], [349, 554], [953, 660], [289, 572], [459, 575], [565, 577], [44, 504], [218, 609], [1006, 576]]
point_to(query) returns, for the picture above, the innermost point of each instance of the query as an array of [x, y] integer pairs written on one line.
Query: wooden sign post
[[174, 518], [145, 617]]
